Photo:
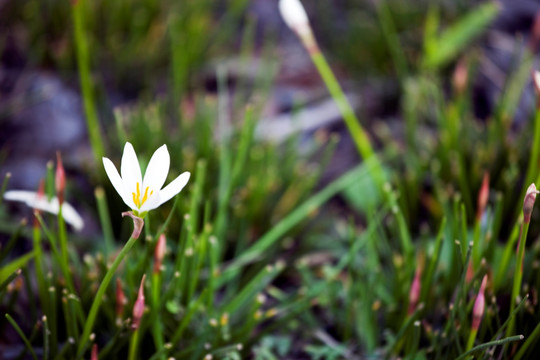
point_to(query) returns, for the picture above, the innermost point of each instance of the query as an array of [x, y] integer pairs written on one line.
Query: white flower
[[142, 195], [40, 202], [294, 15]]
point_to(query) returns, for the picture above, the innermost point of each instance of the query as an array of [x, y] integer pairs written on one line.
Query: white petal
[[131, 174], [34, 201], [20, 195], [174, 187], [293, 13], [114, 176], [157, 169], [72, 217], [151, 203]]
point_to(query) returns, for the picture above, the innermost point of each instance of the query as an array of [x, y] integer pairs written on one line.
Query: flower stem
[[133, 344], [85, 78], [157, 330], [99, 296], [518, 273]]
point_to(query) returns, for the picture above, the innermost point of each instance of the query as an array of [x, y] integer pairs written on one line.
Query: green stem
[[21, 334], [99, 296], [133, 345], [157, 330], [83, 63], [62, 236], [104, 219], [532, 339], [518, 274], [491, 344], [535, 151]]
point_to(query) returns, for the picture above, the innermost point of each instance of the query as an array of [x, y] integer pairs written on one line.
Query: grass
[[262, 259]]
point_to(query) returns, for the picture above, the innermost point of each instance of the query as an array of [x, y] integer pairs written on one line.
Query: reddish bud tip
[[94, 355], [528, 203], [40, 195], [120, 298], [460, 77], [414, 292], [60, 178], [159, 252], [138, 224], [483, 196], [479, 305], [138, 308]]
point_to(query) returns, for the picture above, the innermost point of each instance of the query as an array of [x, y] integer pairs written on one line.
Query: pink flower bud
[[138, 224], [138, 308], [414, 292], [528, 203], [120, 299], [159, 253], [479, 305], [60, 179], [94, 354], [483, 196], [40, 195], [460, 77]]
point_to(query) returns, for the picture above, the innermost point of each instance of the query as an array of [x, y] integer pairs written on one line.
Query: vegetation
[[426, 249]]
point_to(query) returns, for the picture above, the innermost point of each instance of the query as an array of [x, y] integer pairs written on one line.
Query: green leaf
[[458, 36], [11, 267]]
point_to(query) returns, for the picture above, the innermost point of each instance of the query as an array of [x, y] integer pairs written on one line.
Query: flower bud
[[40, 195], [94, 354], [60, 179], [138, 224], [479, 305], [483, 196], [138, 308], [528, 203], [159, 253], [414, 292], [295, 17], [460, 77]]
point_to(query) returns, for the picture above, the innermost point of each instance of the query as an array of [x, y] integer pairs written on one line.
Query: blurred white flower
[[294, 15], [143, 195], [40, 202]]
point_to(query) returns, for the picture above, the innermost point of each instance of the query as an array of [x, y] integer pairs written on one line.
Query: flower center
[[137, 196]]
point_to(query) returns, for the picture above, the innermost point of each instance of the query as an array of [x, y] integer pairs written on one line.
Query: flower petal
[[33, 200], [157, 169], [114, 176], [21, 195], [151, 203], [174, 187], [72, 217], [131, 174]]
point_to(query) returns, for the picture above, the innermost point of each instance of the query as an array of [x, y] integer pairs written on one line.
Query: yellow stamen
[[145, 196], [137, 196]]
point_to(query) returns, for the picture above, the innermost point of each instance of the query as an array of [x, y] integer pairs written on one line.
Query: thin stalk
[[21, 334], [157, 330], [532, 339], [104, 219], [518, 273], [490, 344], [62, 236], [85, 77], [4, 186], [133, 345], [99, 296], [358, 134], [534, 153]]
